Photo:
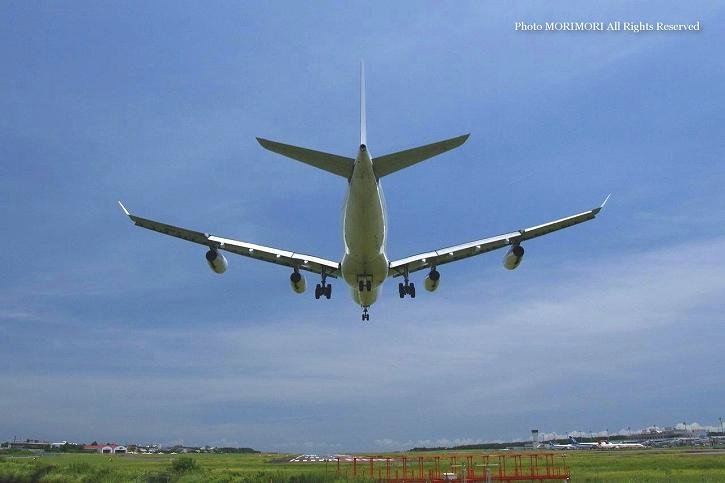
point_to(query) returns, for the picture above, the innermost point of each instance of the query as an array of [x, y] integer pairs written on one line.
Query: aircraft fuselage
[[364, 265]]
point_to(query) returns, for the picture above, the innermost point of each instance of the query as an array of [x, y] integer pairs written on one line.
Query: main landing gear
[[406, 288], [365, 315], [323, 288]]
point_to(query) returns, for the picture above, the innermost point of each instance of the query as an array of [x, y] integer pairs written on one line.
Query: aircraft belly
[[364, 236], [354, 266], [364, 221], [365, 299], [364, 266], [364, 240]]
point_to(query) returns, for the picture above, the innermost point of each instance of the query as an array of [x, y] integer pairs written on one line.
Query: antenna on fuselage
[[363, 128]]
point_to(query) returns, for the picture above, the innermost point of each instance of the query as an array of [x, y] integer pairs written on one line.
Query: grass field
[[586, 466]]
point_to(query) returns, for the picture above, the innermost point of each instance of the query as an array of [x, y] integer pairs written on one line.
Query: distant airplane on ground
[[578, 445], [605, 445], [618, 445], [364, 265], [553, 445]]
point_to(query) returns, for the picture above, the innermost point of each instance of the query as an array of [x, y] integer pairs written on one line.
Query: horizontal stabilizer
[[332, 163], [390, 163]]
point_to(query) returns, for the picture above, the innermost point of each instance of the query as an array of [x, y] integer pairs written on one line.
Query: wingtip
[[605, 200], [601, 207], [461, 139], [124, 209]]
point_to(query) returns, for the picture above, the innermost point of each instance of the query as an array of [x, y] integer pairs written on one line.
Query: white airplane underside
[[364, 265]]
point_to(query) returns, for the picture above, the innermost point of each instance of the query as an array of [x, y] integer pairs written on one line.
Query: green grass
[[647, 466], [586, 466], [158, 468]]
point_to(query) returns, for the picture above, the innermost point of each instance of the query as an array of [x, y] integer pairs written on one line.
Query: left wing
[[470, 249], [251, 250]]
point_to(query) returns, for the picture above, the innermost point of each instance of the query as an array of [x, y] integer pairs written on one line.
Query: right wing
[[251, 250], [470, 249]]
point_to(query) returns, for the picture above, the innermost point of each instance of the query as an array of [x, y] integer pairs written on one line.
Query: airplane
[[364, 265], [553, 445], [605, 445], [617, 445], [579, 445]]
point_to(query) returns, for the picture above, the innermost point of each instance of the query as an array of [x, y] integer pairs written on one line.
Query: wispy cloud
[[586, 326]]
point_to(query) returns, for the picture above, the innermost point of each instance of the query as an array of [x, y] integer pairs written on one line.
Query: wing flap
[[171, 230], [286, 258], [275, 255], [449, 254], [477, 247]]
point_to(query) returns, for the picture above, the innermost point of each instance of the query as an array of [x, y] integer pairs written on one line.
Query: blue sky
[[110, 332]]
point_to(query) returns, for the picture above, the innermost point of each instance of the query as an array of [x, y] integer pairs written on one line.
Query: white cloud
[[583, 327]]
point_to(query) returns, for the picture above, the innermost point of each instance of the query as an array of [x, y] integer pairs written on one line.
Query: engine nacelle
[[432, 280], [297, 282], [513, 257], [216, 261]]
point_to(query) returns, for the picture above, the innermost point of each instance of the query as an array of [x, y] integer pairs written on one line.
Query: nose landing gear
[[365, 315]]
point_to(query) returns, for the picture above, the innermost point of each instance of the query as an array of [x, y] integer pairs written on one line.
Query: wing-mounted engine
[[217, 262], [297, 282], [513, 257], [432, 280]]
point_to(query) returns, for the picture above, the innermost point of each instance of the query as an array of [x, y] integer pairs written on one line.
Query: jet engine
[[297, 282], [432, 280], [513, 257], [216, 261]]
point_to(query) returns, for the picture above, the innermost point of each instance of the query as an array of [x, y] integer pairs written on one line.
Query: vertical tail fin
[[363, 126]]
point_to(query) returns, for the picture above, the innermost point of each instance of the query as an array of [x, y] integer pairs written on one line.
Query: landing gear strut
[[406, 288], [323, 288], [365, 315]]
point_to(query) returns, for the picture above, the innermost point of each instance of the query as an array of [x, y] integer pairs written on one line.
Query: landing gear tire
[[369, 285], [361, 286], [406, 289], [323, 291], [365, 315]]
